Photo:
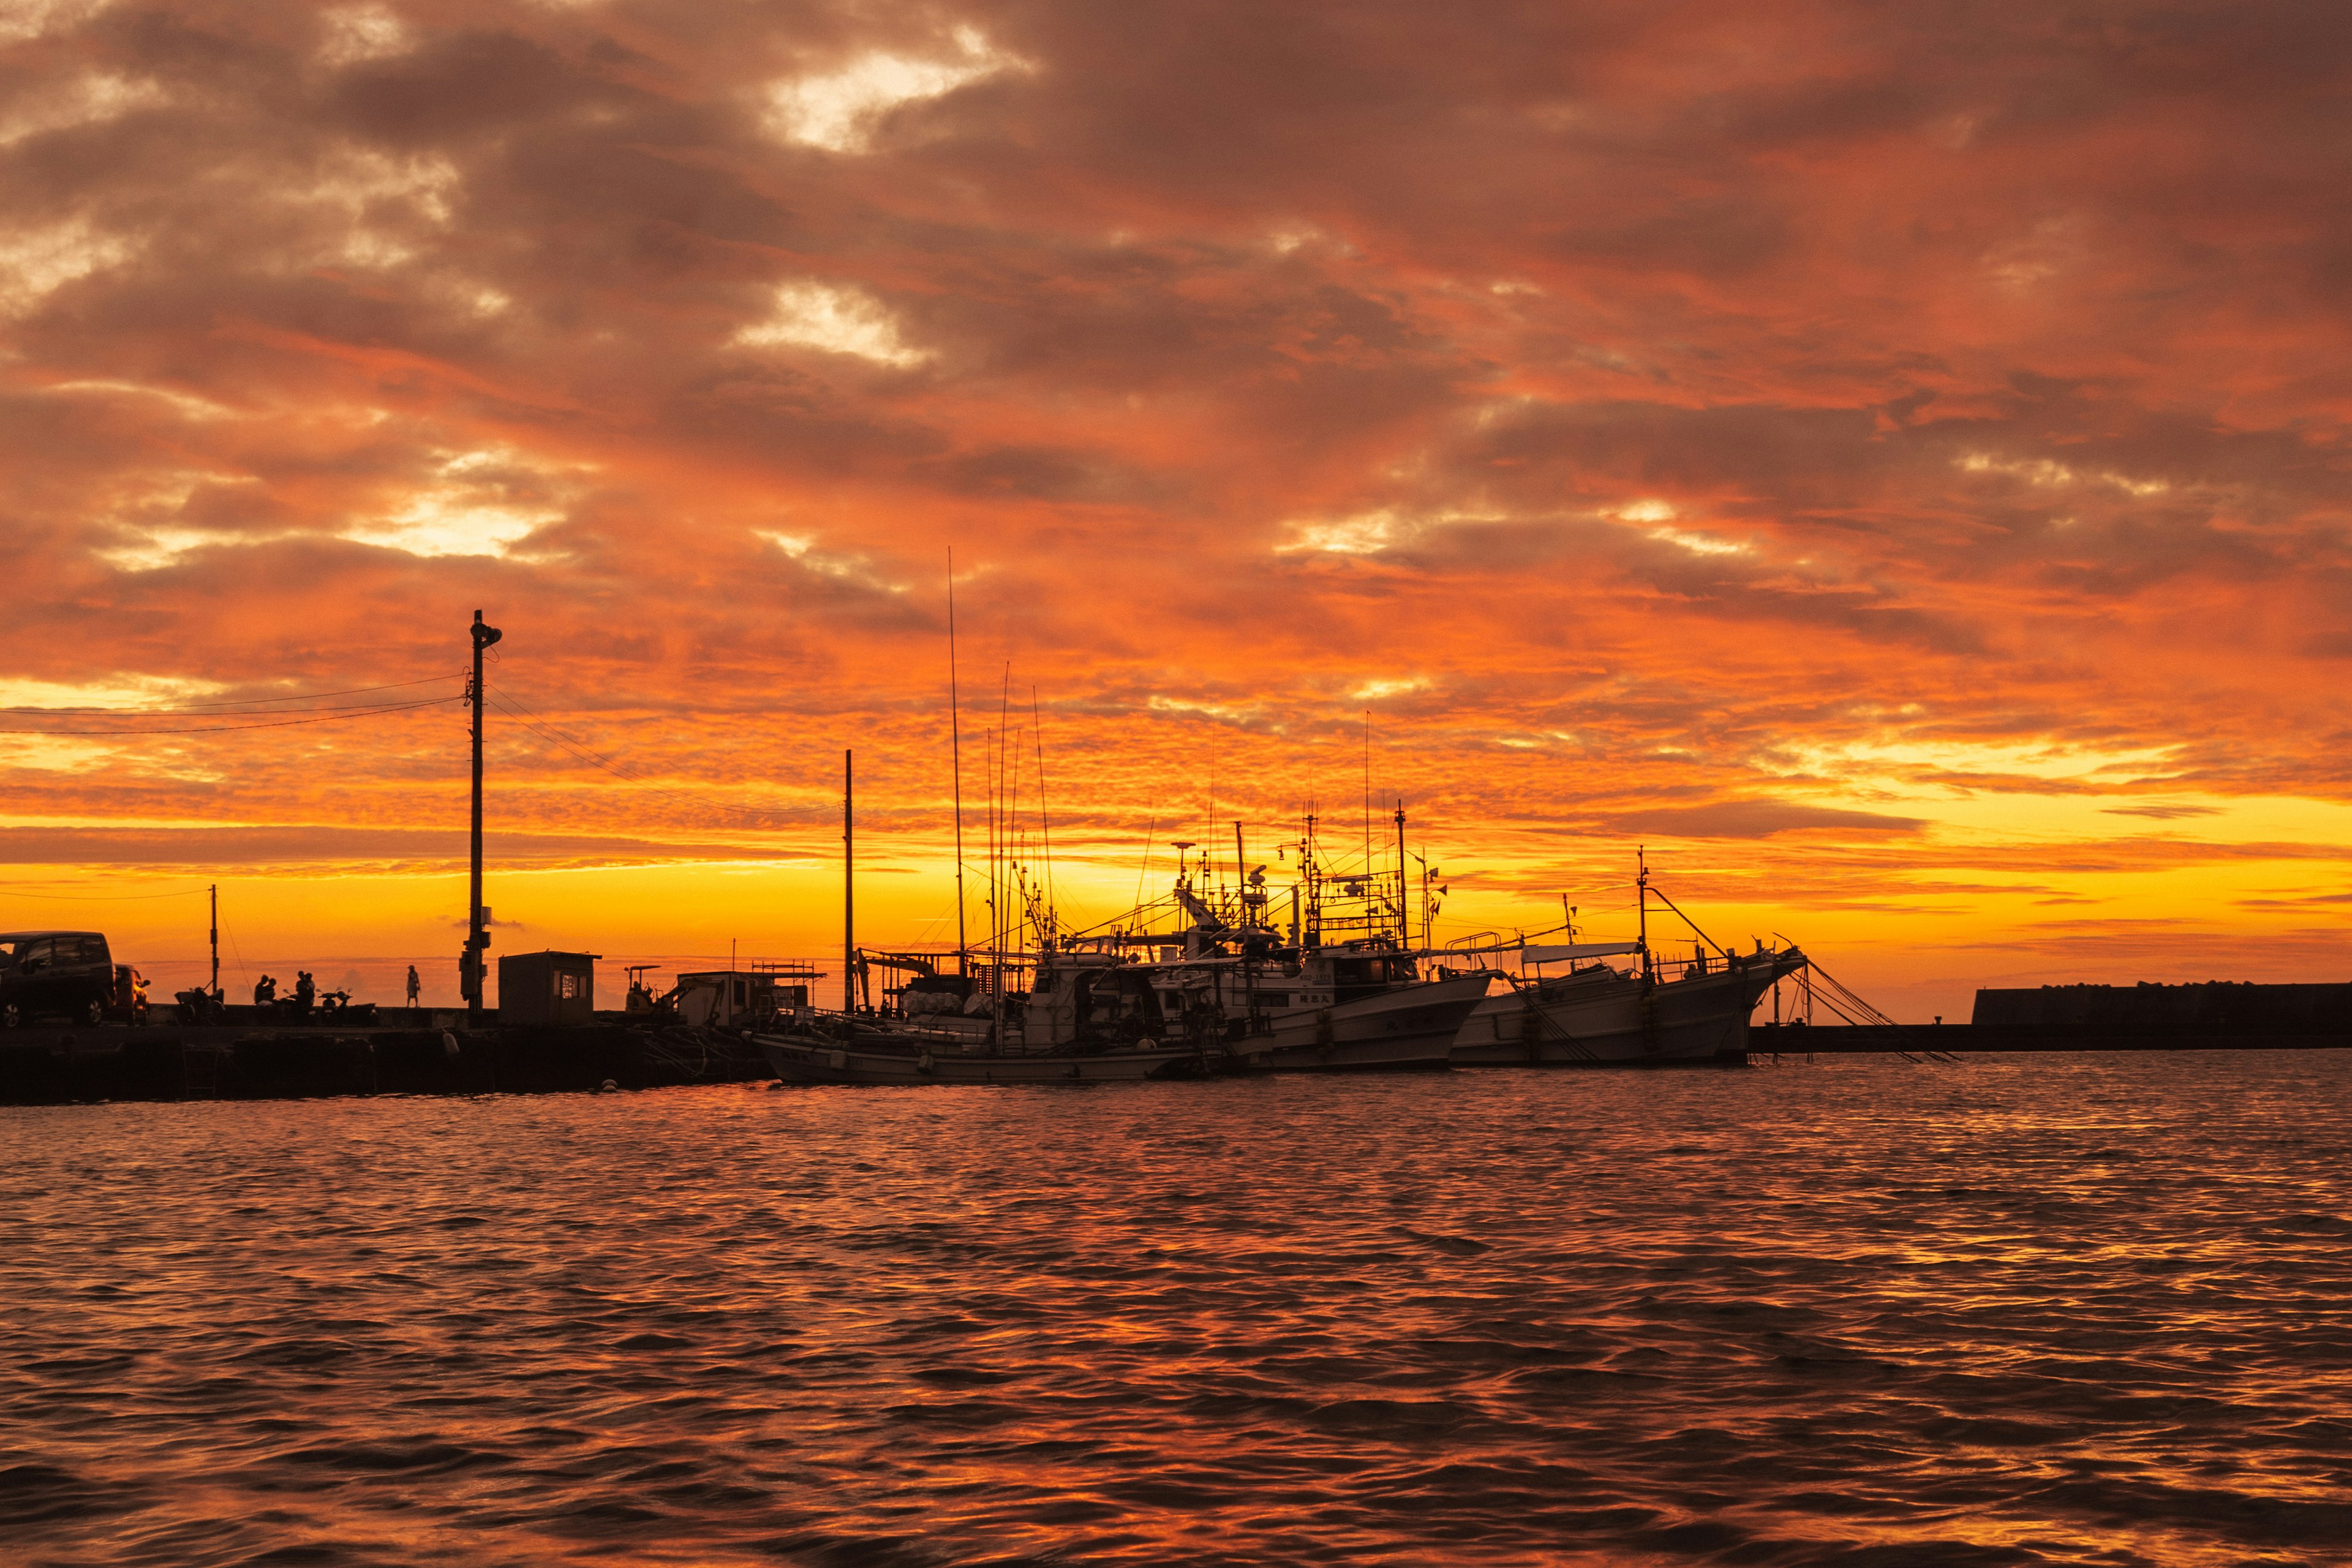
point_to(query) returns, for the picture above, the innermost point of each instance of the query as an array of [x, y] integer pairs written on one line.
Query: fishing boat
[[1653, 1012], [1079, 1023], [1595, 1014], [1313, 999], [1311, 1009]]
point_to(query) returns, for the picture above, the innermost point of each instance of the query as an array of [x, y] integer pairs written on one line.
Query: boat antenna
[[955, 741], [1044, 819], [1368, 792], [1209, 839], [1002, 840], [1145, 869]]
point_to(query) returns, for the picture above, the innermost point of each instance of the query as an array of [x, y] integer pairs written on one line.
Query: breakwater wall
[[1918, 1039], [2215, 1008], [230, 1062]]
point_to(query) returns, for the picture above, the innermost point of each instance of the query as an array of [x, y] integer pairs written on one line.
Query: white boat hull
[[1410, 1026], [1599, 1017]]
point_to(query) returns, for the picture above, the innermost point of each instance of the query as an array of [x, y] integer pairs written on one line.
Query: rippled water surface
[[2022, 1309]]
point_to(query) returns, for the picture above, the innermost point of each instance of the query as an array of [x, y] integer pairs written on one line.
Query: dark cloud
[[1756, 819]]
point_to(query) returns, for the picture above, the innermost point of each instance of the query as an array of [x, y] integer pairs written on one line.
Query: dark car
[[67, 974]]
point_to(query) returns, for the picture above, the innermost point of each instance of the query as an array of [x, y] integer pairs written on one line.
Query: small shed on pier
[[547, 987]]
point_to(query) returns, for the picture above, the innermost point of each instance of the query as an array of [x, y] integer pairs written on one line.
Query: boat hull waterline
[[1412, 1027]]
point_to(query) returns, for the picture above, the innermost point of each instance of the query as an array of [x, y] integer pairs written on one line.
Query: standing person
[[412, 988], [305, 988]]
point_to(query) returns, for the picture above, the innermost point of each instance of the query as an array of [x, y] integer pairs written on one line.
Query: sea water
[[2023, 1309]]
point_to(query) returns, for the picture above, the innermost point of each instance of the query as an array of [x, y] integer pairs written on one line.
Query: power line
[[249, 713], [244, 701], [522, 716], [327, 717], [99, 898]]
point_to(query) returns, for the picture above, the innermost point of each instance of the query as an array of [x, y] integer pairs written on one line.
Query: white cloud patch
[[841, 109], [90, 98], [2044, 471], [837, 320], [186, 404], [474, 511], [1222, 712], [1698, 543], [1367, 534], [151, 548], [803, 549], [1374, 691], [37, 261], [1899, 761], [115, 691], [353, 33], [1640, 513], [31, 18]]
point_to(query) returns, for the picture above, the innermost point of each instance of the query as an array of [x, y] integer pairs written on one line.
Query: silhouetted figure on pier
[[305, 989], [265, 991], [413, 987]]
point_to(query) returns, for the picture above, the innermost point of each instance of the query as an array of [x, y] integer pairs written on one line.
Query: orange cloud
[[1886, 461]]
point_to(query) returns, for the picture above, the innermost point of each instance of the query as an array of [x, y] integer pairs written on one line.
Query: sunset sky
[[1889, 460]]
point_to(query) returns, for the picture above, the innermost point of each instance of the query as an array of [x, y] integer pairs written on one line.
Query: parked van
[[59, 974]]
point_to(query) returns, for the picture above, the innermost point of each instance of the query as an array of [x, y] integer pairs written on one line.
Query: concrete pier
[[241, 1062]]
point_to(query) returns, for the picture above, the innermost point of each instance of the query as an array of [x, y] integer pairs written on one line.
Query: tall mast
[[988, 748], [214, 892], [955, 734], [848, 883], [1003, 874], [1404, 919], [1642, 889], [1045, 821]]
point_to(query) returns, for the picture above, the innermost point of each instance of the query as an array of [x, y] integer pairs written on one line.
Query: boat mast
[[848, 886], [955, 741], [1642, 889], [214, 892], [1405, 903], [1003, 878], [1044, 819]]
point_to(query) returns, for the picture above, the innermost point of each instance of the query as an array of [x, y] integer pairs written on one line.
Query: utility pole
[[214, 892], [478, 936], [848, 885]]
